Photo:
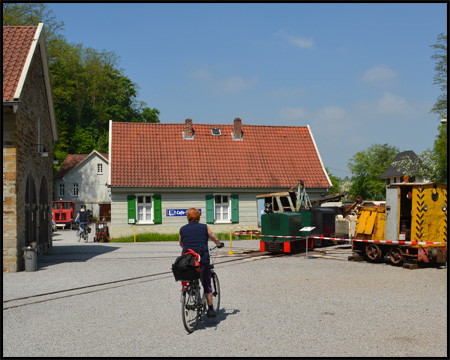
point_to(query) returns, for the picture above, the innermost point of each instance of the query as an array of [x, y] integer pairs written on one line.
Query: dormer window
[[216, 132]]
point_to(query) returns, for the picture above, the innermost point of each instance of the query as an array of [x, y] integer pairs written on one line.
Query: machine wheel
[[215, 291], [396, 255], [373, 252]]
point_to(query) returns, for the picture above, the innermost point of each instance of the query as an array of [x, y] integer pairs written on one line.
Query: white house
[[83, 178], [158, 171], [395, 174]]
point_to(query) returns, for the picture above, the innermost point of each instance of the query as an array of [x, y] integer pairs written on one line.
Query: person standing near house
[[195, 236], [82, 217]]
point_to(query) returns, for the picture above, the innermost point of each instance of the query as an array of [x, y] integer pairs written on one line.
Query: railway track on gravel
[[81, 290]]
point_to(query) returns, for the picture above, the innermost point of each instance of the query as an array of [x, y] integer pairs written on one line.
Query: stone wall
[[20, 158]]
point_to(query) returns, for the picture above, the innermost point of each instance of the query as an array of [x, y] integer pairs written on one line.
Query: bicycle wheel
[[190, 311], [78, 235], [86, 236], [215, 291]]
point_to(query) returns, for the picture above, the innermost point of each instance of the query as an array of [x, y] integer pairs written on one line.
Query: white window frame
[[221, 207], [99, 169], [61, 190], [152, 211], [75, 189]]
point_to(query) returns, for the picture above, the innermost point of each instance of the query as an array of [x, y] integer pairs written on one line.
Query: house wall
[[20, 159], [92, 189], [185, 199]]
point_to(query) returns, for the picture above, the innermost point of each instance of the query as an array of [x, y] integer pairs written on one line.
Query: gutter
[[14, 104]]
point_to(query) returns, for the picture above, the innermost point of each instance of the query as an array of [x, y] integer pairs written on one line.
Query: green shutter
[[209, 209], [157, 212], [131, 209], [234, 208]]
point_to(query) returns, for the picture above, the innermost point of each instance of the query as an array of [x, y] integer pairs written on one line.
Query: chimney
[[237, 132], [188, 131]]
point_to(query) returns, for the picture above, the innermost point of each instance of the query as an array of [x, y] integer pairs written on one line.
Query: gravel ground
[[121, 300]]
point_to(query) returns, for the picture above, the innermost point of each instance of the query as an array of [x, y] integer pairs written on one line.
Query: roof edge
[[318, 155]]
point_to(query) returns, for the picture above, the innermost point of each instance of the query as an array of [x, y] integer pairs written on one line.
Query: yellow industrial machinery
[[412, 227]]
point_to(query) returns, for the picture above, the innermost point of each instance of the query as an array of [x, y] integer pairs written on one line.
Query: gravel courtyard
[[112, 299]]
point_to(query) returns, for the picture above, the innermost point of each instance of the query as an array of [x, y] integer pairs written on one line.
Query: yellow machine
[[411, 227]]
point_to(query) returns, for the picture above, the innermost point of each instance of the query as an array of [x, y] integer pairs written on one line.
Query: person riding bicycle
[[195, 236], [82, 217]]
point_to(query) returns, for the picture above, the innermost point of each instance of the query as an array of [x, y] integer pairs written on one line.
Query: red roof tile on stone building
[[160, 155], [17, 41], [19, 47]]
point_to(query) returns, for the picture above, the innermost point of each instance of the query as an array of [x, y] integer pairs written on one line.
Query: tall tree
[[440, 76], [367, 166], [88, 87], [440, 146]]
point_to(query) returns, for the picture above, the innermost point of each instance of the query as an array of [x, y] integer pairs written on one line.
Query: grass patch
[[155, 237], [146, 237]]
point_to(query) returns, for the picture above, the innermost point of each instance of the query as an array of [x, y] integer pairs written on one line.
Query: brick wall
[[20, 158]]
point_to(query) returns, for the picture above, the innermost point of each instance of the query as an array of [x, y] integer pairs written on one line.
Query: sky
[[357, 74]]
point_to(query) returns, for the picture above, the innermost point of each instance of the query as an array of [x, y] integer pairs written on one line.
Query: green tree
[[440, 76], [367, 166], [335, 181], [438, 156], [88, 87]]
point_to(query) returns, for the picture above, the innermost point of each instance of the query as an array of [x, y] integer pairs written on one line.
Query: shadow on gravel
[[72, 253], [213, 322]]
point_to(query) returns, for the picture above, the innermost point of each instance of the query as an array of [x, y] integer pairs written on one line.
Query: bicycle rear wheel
[[190, 310], [215, 291], [78, 235], [86, 236]]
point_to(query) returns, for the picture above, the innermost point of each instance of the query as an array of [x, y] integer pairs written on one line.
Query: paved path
[[107, 299]]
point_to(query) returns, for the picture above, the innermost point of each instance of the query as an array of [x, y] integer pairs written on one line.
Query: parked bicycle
[[83, 234], [193, 301]]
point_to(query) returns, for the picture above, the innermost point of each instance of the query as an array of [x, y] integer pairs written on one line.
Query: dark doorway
[[105, 212], [43, 242], [30, 211]]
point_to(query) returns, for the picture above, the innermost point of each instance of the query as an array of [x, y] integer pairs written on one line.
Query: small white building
[[158, 171], [83, 178], [395, 174]]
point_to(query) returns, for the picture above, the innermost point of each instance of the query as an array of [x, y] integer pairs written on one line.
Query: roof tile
[[156, 155], [17, 42]]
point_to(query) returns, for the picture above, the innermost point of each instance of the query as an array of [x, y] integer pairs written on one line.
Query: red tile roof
[[17, 42], [156, 155], [71, 161]]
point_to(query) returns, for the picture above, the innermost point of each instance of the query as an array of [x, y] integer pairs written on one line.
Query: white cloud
[[201, 74], [390, 105], [380, 76], [285, 93], [293, 113], [300, 41], [235, 84]]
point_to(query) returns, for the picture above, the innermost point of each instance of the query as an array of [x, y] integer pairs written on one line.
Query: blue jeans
[[82, 225]]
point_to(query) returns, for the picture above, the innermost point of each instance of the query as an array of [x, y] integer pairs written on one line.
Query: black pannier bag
[[186, 266]]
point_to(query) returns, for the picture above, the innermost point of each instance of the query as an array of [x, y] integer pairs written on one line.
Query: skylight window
[[216, 132]]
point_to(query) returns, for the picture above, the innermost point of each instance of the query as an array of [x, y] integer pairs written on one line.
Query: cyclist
[[82, 217], [195, 236]]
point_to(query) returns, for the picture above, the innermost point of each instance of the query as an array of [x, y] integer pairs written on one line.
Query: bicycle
[[83, 234], [193, 301]]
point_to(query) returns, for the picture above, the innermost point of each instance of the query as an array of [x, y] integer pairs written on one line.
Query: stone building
[[29, 130]]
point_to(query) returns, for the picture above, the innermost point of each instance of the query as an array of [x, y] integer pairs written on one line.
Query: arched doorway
[[30, 211], [43, 240]]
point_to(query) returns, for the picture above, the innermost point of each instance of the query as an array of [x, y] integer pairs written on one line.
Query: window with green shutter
[[234, 208], [157, 209], [209, 208], [131, 209]]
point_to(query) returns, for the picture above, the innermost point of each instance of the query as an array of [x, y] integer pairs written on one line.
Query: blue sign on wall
[[178, 212]]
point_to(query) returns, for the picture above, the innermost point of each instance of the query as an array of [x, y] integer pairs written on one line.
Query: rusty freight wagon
[[411, 228]]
